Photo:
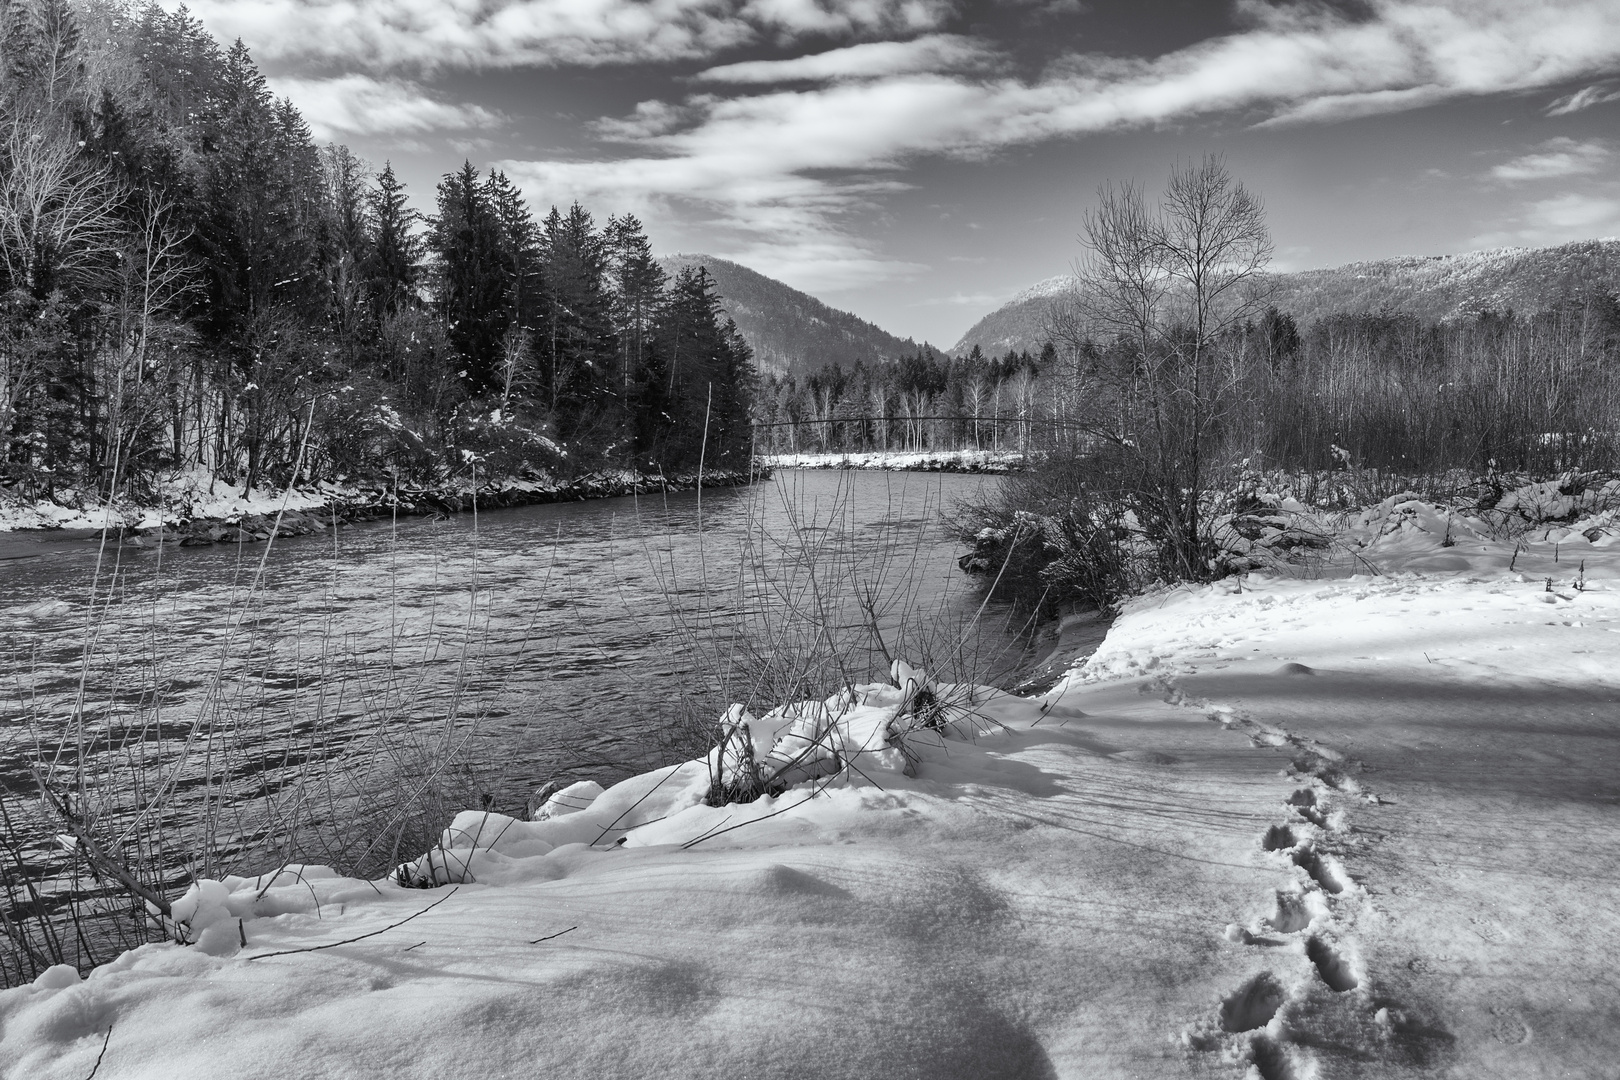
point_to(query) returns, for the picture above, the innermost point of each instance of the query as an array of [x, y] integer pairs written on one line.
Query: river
[[473, 656]]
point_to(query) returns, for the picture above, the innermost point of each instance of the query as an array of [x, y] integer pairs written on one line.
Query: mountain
[[791, 331], [1434, 288], [1441, 287], [1018, 324]]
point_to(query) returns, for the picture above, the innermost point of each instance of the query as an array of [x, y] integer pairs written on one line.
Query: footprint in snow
[[1334, 969], [1253, 1004], [1291, 914], [1304, 804], [1324, 870], [1279, 838]]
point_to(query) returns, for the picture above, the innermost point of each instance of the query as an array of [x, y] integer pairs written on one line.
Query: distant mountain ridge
[[789, 330], [1434, 288]]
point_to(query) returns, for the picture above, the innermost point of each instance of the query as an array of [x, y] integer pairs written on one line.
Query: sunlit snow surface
[[1363, 824]]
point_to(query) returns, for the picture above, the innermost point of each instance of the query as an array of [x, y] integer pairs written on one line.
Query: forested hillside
[[1446, 287], [187, 281], [790, 331], [1433, 289]]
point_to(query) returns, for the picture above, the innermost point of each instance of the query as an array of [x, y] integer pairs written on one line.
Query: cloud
[[426, 35], [932, 53], [1572, 213], [1559, 220], [792, 172], [360, 105], [1596, 94], [962, 299], [1556, 158]]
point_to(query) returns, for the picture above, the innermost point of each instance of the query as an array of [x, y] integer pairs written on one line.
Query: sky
[[918, 162]]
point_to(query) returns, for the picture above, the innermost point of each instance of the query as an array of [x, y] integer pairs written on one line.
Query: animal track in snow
[[1333, 968], [1253, 1004], [1509, 1027]]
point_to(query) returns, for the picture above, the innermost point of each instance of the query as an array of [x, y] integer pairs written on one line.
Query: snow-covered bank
[[202, 509], [1359, 825], [965, 461]]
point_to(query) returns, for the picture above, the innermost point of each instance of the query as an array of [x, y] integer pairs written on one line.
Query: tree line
[[187, 280], [927, 401]]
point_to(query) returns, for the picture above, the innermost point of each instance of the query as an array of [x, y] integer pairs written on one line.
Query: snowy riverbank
[[1356, 825], [194, 508], [963, 461]]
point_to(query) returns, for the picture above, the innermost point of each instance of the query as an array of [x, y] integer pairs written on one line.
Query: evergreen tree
[[637, 284], [577, 343], [393, 251], [706, 402], [472, 278]]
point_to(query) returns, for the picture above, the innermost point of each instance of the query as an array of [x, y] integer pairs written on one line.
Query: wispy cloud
[[930, 53], [1585, 98], [1556, 158], [1559, 220], [361, 105], [961, 299], [786, 170], [382, 36], [1580, 214]]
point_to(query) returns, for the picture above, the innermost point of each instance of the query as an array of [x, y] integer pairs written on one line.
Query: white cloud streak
[[1559, 220], [1585, 98], [381, 36], [874, 59], [361, 105], [784, 168], [1556, 158]]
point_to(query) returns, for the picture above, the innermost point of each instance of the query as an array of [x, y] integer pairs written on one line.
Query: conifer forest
[[188, 281]]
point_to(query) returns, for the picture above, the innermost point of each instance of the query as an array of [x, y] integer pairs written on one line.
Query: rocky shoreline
[[993, 462], [319, 509]]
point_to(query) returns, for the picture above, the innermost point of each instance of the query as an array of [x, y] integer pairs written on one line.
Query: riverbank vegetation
[[189, 282], [1185, 405]]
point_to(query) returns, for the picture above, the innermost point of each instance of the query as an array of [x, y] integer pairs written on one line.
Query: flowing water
[[584, 639]]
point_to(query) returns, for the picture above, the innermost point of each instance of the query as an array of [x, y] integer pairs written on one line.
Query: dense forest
[[188, 281]]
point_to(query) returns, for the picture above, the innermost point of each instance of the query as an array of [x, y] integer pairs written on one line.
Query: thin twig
[[361, 937], [105, 1039], [549, 937]]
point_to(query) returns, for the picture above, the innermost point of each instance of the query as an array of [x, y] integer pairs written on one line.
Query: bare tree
[[57, 212], [1156, 293], [153, 275], [58, 225]]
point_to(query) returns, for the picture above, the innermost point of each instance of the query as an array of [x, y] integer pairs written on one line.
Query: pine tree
[[637, 283], [472, 279], [705, 405], [393, 250], [577, 342]]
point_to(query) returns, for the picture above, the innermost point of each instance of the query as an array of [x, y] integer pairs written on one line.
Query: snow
[[1359, 822], [180, 496], [902, 460]]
